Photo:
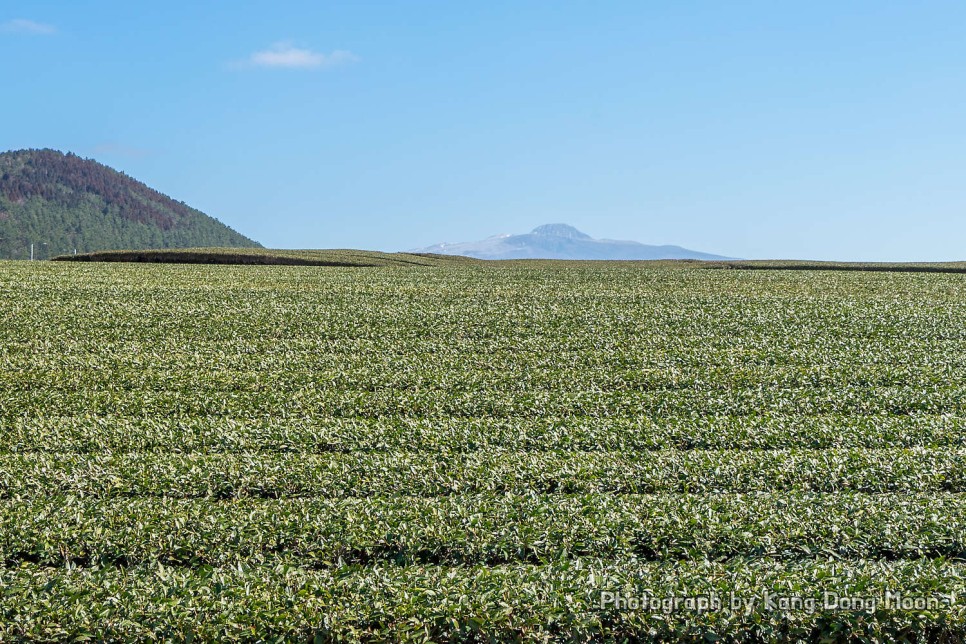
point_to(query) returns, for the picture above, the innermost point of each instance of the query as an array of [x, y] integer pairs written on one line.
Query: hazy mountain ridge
[[60, 202], [561, 241]]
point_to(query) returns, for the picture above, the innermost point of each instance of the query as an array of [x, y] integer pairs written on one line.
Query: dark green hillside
[[60, 202], [265, 256], [807, 265]]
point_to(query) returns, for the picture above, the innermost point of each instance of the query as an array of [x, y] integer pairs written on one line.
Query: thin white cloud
[[30, 27], [286, 55]]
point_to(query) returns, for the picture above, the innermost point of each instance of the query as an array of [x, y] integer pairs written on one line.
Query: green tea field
[[471, 451]]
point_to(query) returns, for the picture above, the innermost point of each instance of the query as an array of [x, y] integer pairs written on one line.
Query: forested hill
[[61, 202]]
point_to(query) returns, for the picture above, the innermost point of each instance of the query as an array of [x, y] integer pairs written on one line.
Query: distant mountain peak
[[559, 230], [561, 241]]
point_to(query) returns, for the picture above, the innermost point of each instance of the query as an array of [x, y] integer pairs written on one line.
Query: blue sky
[[827, 130]]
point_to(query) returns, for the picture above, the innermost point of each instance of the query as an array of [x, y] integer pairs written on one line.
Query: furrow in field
[[330, 533], [257, 474], [91, 434], [574, 600]]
